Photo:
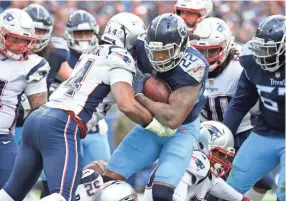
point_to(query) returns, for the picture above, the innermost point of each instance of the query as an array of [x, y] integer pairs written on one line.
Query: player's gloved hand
[[139, 83], [103, 127], [156, 127]]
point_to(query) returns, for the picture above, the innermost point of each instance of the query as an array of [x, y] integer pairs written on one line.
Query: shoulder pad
[[199, 165], [38, 68], [59, 43], [194, 64], [246, 49], [118, 57]]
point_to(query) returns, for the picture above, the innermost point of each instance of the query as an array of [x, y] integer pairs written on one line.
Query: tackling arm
[[123, 93], [180, 104]]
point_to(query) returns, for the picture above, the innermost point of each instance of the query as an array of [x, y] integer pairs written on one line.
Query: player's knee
[[162, 193], [266, 183], [54, 197]]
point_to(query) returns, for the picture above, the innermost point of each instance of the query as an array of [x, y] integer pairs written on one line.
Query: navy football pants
[[51, 140], [8, 152]]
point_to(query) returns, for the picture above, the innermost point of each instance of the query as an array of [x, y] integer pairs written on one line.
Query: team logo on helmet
[[215, 133], [182, 28], [199, 163], [8, 17]]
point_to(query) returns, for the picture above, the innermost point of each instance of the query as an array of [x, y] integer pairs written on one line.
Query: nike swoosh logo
[[6, 142], [196, 69]]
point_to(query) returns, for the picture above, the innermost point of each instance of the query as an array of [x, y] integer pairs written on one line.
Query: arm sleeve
[[36, 78], [244, 99], [224, 191], [181, 190], [36, 87], [120, 75]]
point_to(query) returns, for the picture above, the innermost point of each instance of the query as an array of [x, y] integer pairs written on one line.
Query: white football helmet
[[199, 166], [79, 21], [216, 141], [123, 29], [214, 40], [202, 7], [16, 26], [116, 191], [42, 22]]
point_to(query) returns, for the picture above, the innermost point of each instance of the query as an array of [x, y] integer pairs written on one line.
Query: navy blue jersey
[[59, 54], [190, 71], [73, 59], [267, 87]]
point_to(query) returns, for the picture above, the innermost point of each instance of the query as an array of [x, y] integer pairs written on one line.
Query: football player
[[51, 135], [54, 49], [81, 33], [91, 181], [193, 11], [215, 41], [175, 126], [263, 79], [21, 72], [210, 162]]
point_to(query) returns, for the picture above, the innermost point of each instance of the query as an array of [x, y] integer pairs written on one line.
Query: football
[[157, 90]]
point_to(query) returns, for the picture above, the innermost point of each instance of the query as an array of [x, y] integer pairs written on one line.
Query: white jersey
[[89, 184], [198, 181], [87, 92], [19, 77], [219, 91]]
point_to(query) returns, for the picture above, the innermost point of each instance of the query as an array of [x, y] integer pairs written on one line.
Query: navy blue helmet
[[43, 25], [81, 21], [166, 41], [268, 44]]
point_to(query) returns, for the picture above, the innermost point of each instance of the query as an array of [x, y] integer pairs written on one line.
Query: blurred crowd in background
[[242, 16]]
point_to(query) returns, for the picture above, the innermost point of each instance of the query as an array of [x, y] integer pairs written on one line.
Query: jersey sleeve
[[244, 99], [120, 75], [36, 78], [122, 66], [224, 191]]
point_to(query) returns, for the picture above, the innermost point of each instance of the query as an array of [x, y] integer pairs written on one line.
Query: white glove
[[103, 127], [156, 127]]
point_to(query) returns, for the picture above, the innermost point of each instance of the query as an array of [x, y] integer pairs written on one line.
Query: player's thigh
[[176, 153], [137, 150], [281, 180], [257, 156], [26, 171], [8, 152], [60, 148], [95, 147]]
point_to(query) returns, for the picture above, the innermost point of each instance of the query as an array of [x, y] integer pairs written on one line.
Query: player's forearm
[[138, 114], [164, 113], [36, 100], [224, 191]]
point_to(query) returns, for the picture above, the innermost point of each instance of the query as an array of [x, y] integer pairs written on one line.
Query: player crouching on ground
[[208, 164]]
